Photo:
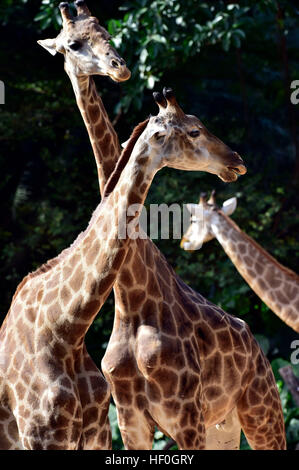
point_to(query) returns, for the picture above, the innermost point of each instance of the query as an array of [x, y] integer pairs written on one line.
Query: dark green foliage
[[230, 64]]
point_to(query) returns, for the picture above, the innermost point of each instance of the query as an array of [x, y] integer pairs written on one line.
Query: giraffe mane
[[283, 268], [124, 158]]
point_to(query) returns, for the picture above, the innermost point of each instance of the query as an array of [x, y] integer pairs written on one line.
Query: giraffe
[[275, 284], [106, 148], [175, 360], [99, 58]]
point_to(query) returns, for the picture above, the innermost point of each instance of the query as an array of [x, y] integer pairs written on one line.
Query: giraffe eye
[[194, 133], [75, 45]]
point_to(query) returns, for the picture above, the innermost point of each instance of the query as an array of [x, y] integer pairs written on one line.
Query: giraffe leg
[[189, 431], [260, 412], [137, 430], [9, 433], [94, 394], [226, 435], [51, 420], [45, 435], [96, 434]]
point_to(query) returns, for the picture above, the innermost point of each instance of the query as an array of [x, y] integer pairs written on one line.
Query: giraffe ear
[[229, 206], [49, 45], [124, 144]]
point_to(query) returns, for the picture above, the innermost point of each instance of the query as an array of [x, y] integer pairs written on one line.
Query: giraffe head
[[205, 216], [85, 45], [183, 142]]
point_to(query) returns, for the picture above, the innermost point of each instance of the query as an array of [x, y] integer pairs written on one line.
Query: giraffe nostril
[[114, 64]]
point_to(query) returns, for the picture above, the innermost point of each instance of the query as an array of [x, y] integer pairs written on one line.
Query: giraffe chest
[[148, 349], [137, 354], [128, 352]]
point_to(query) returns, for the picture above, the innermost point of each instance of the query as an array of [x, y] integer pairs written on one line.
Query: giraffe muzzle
[[237, 165], [120, 72], [239, 170]]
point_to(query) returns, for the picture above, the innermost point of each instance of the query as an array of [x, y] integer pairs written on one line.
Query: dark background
[[229, 64]]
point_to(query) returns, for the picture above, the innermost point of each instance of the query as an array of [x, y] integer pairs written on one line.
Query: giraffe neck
[[103, 138], [276, 285], [133, 182], [84, 274]]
